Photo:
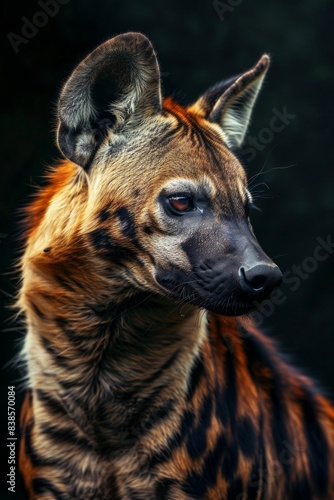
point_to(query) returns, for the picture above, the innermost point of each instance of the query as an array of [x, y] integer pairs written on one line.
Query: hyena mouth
[[230, 294], [224, 299]]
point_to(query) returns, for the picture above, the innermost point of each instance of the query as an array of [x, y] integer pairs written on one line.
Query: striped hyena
[[139, 268]]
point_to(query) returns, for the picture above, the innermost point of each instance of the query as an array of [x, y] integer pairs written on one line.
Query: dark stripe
[[64, 282], [235, 489], [226, 398], [213, 460], [182, 123], [128, 227], [317, 446], [261, 463], [131, 494], [157, 417], [113, 488], [127, 221], [64, 435], [166, 137], [231, 390], [68, 282], [174, 441], [197, 374], [104, 213], [152, 223], [197, 440], [196, 137], [259, 474], [37, 311], [164, 489], [302, 489], [245, 436], [145, 383], [255, 481], [187, 422], [101, 239], [58, 358], [110, 249], [69, 386], [137, 420], [78, 339], [215, 159], [161, 371], [40, 485], [228, 206], [266, 374], [36, 459], [144, 408], [147, 229], [103, 311], [196, 484], [50, 403], [230, 461]]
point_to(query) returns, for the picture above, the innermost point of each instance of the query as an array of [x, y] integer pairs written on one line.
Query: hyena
[[147, 380]]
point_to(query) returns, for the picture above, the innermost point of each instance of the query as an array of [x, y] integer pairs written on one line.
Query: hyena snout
[[229, 271], [258, 275], [260, 279]]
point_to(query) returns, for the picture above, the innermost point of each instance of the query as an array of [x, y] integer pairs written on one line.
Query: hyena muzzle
[[140, 260]]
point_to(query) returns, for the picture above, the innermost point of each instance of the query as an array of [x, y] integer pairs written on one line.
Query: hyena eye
[[181, 203]]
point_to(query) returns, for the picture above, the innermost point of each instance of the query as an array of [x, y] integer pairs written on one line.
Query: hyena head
[[167, 202]]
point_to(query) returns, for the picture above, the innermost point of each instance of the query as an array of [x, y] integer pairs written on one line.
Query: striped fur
[[140, 387]]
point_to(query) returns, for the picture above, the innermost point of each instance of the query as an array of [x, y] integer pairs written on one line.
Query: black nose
[[260, 279]]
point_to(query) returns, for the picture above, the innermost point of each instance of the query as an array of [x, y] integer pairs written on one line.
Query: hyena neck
[[122, 360]]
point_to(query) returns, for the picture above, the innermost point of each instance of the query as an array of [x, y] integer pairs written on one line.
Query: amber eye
[[181, 203]]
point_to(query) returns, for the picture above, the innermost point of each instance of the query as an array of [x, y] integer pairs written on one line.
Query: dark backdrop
[[198, 43]]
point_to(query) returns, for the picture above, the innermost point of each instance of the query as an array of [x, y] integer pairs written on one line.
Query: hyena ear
[[230, 103], [131, 66]]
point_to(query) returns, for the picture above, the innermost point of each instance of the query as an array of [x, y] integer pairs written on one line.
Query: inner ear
[[117, 84], [103, 94]]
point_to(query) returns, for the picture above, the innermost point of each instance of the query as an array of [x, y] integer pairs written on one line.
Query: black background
[[196, 47]]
